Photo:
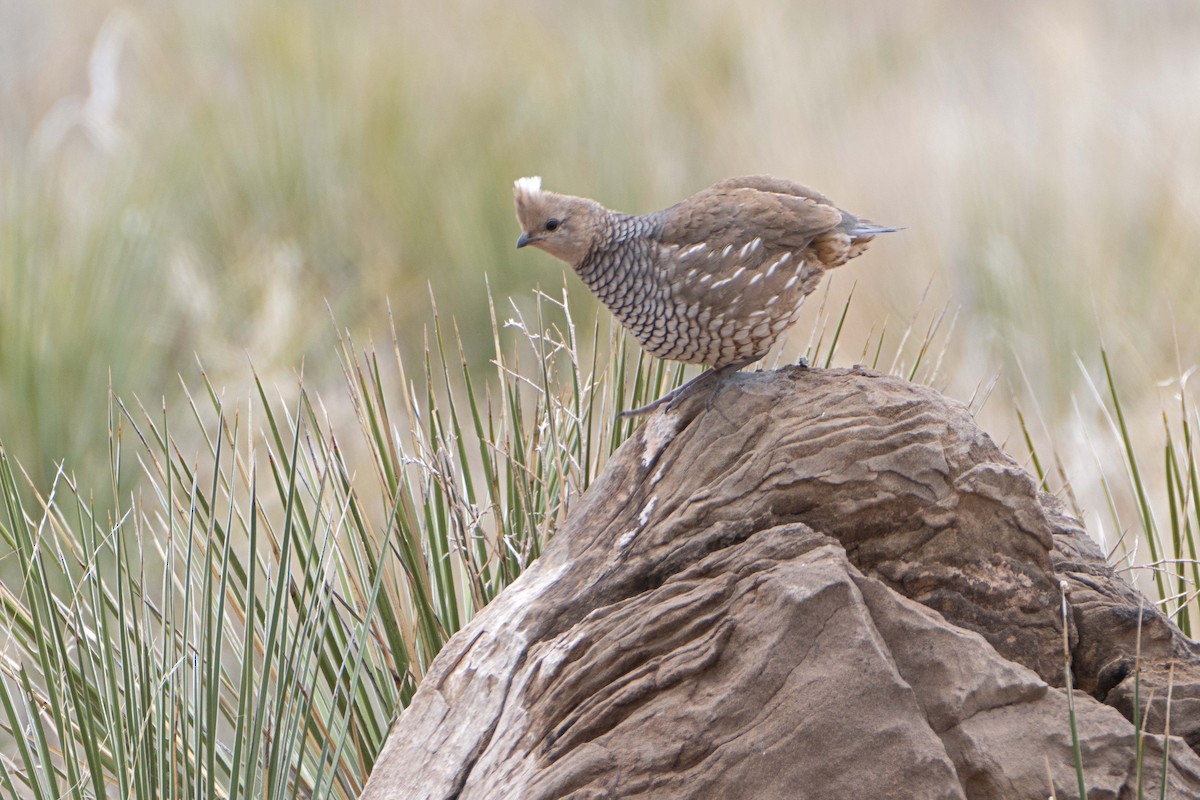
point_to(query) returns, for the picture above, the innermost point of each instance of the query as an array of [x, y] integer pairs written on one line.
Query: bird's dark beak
[[525, 239]]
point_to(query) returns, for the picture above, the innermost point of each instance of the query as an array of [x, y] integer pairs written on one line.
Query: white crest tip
[[528, 186]]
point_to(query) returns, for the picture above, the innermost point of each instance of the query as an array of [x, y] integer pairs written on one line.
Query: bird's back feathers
[[735, 216]]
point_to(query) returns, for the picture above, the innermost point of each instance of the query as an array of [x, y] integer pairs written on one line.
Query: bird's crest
[[532, 202], [527, 190]]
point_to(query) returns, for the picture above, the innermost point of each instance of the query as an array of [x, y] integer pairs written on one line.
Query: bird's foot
[[691, 386], [646, 409], [670, 396], [802, 363]]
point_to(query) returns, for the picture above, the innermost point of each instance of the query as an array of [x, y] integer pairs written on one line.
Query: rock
[[812, 583]]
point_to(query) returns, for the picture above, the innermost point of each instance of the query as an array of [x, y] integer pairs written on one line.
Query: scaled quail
[[712, 280]]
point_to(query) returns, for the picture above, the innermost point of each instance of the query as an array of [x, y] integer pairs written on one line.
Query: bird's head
[[565, 227]]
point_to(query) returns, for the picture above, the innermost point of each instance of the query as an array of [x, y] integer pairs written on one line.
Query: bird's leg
[[695, 383], [699, 380]]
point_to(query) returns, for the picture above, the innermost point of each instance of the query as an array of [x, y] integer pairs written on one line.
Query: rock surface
[[815, 583]]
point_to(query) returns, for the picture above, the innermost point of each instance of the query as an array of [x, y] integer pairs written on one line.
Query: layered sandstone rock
[[814, 583]]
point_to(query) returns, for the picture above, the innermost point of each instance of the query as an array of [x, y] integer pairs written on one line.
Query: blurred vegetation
[[202, 180]]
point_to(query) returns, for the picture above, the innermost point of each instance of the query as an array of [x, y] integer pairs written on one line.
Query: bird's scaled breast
[[699, 305]]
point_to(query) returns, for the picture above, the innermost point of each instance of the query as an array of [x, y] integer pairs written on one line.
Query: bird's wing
[[739, 248], [852, 224], [728, 216]]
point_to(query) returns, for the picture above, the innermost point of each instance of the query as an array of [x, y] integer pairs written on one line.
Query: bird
[[713, 280]]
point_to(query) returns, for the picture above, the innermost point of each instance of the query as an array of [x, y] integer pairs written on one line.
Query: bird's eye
[[552, 224]]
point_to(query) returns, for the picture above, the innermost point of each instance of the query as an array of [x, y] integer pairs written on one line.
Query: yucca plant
[[248, 620]]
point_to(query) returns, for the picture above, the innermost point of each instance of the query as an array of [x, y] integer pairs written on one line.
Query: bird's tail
[[865, 228], [861, 234]]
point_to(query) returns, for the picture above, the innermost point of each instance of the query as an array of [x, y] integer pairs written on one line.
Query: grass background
[[181, 179], [218, 183]]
